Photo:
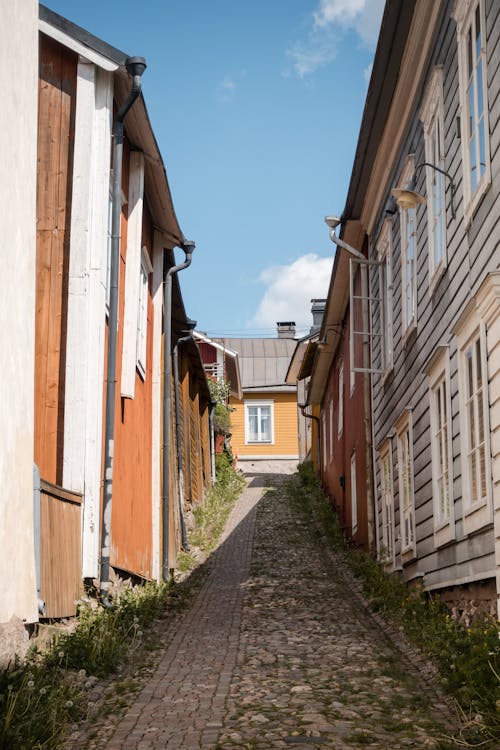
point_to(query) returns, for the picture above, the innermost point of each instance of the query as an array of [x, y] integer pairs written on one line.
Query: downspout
[[370, 510], [38, 531], [302, 408], [188, 248], [135, 67], [211, 408], [180, 467]]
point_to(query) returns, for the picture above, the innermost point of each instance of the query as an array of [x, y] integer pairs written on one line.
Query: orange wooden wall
[[57, 98]]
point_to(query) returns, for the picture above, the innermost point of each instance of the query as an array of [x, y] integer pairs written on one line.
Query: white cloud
[[290, 289], [226, 89], [331, 19]]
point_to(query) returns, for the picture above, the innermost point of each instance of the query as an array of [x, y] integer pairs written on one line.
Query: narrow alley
[[277, 651]]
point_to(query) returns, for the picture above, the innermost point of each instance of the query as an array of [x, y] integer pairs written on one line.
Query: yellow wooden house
[[264, 422]]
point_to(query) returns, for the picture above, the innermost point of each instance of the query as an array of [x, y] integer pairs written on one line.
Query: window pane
[[469, 53], [265, 423]]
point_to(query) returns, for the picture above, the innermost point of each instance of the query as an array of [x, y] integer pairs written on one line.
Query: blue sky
[[256, 107]]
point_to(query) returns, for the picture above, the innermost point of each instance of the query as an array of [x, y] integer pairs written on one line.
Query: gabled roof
[[302, 358], [137, 123], [231, 362], [263, 362]]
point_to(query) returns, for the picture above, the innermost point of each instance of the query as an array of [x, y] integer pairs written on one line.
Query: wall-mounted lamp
[[409, 198]]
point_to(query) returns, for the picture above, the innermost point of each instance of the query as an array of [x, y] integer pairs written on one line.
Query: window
[[354, 499], [404, 437], [330, 431], [433, 121], [384, 249], [387, 497], [471, 32], [259, 422], [142, 312], [408, 220], [474, 423], [340, 425], [441, 445]]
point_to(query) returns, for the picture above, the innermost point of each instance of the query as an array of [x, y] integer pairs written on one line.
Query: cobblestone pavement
[[276, 651]]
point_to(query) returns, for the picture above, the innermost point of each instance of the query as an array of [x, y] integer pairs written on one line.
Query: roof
[[231, 363], [263, 362], [137, 123], [301, 360]]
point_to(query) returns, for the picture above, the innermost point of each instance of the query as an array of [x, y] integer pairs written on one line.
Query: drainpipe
[[38, 531], [188, 248], [211, 408], [302, 408], [180, 467], [370, 508], [135, 67]]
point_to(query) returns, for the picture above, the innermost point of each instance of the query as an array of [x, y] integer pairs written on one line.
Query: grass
[[42, 696], [468, 659]]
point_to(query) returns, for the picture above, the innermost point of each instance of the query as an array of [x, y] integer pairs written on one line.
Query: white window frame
[[465, 16], [477, 512], [387, 552], [439, 381], [354, 495], [331, 428], [409, 279], [407, 526], [259, 403], [340, 422], [142, 313], [384, 252], [432, 117]]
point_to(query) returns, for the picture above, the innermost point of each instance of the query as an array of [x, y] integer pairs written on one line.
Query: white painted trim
[[438, 372], [156, 399], [87, 303], [267, 457], [259, 402], [405, 425], [463, 13], [484, 576], [71, 43], [384, 451], [132, 273]]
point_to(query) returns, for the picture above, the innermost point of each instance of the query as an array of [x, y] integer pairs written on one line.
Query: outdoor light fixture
[[409, 198]]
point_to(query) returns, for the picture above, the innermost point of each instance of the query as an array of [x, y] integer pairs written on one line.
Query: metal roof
[[263, 362]]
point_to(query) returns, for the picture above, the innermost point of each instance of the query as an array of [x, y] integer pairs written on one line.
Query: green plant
[[221, 419], [468, 659]]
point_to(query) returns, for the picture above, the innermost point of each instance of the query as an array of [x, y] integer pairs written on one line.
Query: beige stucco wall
[[18, 138]]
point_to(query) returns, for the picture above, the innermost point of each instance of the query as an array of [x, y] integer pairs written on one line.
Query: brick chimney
[[317, 310], [286, 330]]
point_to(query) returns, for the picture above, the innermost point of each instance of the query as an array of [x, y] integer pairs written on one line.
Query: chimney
[[286, 330], [317, 310]]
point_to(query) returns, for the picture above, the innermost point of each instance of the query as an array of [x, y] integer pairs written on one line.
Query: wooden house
[[264, 419], [84, 85], [18, 601], [423, 205]]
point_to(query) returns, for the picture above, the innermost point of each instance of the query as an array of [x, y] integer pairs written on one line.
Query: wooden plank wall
[[60, 553], [471, 254], [57, 98]]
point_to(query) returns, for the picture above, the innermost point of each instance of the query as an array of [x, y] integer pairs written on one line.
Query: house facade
[[264, 420], [94, 252], [18, 117], [423, 204]]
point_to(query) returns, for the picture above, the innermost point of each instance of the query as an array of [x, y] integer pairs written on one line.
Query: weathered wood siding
[[131, 537], [57, 98], [472, 253], [286, 442], [336, 474], [60, 551]]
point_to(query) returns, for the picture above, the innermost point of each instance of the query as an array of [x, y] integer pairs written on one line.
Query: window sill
[[408, 554], [474, 203], [444, 533], [410, 334], [436, 277], [476, 516]]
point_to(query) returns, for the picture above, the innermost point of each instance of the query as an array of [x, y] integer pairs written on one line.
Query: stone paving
[[277, 651]]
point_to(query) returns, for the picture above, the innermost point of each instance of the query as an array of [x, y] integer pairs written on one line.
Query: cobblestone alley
[[277, 651]]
